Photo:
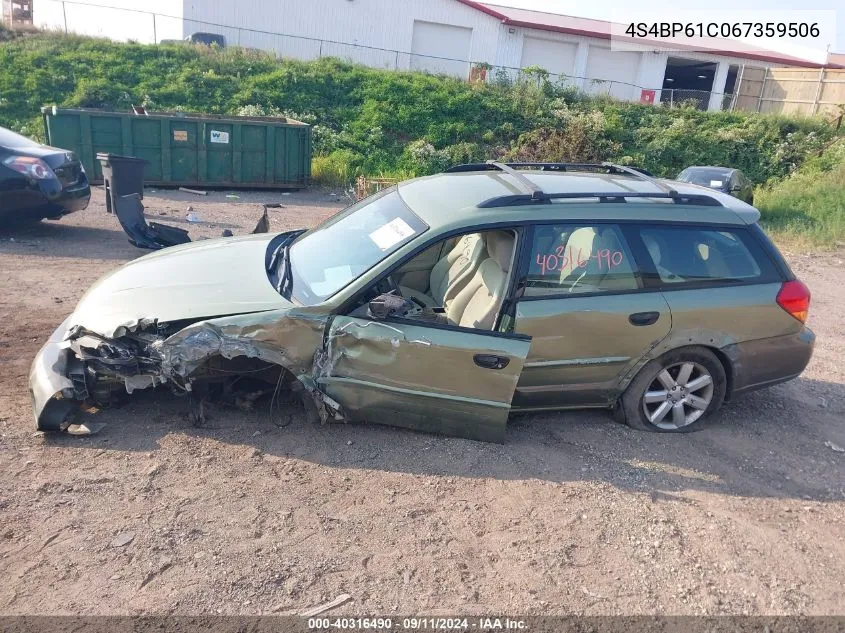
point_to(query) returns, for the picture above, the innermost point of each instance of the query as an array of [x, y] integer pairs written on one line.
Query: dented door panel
[[583, 346], [422, 377]]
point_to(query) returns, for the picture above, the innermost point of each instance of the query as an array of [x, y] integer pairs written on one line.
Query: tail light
[[794, 297], [29, 166]]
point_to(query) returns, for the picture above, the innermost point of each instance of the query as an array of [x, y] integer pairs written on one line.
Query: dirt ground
[[573, 515]]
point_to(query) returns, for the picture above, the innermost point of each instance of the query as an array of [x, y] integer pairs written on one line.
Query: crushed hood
[[195, 281]]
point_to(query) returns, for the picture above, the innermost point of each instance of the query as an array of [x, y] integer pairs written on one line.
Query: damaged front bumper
[[50, 388], [78, 369]]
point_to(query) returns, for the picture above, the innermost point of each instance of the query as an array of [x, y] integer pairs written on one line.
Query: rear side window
[[689, 255], [579, 259]]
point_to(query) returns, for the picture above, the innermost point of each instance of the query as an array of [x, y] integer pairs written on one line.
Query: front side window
[[689, 254], [327, 258], [578, 259]]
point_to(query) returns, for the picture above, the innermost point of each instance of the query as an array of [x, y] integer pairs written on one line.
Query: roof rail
[[695, 199], [634, 172], [534, 194], [523, 182], [610, 167]]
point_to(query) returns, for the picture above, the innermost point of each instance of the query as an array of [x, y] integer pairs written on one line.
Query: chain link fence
[[145, 26]]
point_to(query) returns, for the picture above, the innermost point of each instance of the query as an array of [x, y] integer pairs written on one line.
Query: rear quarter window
[[684, 255]]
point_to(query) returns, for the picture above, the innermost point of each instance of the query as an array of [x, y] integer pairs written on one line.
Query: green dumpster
[[189, 150]]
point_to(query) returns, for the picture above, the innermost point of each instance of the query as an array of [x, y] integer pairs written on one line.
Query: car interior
[[461, 281], [586, 259], [699, 255]]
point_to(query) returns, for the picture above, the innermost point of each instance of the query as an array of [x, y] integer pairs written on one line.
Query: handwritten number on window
[[563, 259]]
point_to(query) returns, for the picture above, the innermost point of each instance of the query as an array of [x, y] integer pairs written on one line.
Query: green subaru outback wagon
[[446, 302]]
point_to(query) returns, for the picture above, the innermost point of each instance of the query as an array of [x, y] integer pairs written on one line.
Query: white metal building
[[448, 36]]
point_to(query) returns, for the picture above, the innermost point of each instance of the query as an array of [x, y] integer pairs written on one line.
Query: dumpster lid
[[56, 111]]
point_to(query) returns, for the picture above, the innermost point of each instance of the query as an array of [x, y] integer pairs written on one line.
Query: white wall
[[120, 20], [381, 24], [439, 48], [555, 56]]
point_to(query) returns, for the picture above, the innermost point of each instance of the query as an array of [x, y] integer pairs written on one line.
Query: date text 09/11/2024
[[418, 624]]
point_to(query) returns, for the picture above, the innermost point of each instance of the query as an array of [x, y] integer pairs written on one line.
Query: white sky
[[716, 10]]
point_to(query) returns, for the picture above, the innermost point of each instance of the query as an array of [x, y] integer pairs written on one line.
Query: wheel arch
[[727, 357]]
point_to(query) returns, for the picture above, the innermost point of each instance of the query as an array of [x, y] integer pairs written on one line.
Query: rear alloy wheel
[[678, 396], [672, 393]]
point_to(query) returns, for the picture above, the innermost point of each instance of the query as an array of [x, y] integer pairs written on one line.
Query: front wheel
[[675, 392]]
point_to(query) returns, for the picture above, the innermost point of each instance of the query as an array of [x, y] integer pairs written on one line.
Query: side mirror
[[387, 305]]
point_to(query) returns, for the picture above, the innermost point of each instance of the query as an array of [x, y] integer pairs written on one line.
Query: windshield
[[327, 258], [714, 178], [10, 139]]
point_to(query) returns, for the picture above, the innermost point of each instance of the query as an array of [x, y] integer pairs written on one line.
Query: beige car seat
[[656, 252], [479, 301], [579, 249], [613, 276], [450, 273]]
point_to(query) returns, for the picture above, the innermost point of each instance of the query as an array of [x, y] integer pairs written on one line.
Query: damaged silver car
[[443, 303]]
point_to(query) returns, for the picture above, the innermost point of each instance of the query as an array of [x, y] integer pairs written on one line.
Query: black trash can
[[122, 176]]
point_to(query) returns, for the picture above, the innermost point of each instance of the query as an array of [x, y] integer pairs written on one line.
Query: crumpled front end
[[80, 369], [50, 388]]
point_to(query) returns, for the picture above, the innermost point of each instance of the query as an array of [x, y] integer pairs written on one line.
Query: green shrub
[[334, 170], [387, 123], [809, 205]]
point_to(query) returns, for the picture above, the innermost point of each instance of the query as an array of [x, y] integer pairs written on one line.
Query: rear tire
[[674, 393]]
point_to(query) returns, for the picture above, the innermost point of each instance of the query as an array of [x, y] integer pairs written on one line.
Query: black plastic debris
[[130, 214]]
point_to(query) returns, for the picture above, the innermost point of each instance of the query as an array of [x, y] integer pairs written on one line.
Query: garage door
[[441, 48], [613, 66], [556, 57]]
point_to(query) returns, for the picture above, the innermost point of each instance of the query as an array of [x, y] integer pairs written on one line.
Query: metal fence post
[[737, 87], [762, 90], [818, 96], [64, 15], [155, 35]]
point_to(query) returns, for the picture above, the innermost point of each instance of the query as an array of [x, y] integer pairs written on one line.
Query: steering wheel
[[391, 286]]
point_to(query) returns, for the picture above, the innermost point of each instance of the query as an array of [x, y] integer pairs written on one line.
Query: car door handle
[[491, 361], [644, 318]]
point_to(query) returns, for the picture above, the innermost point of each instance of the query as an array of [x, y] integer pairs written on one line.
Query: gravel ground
[[573, 515]]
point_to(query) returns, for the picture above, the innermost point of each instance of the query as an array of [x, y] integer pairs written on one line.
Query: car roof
[[450, 200]]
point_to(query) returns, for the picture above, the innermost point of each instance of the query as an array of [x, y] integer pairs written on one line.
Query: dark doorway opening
[[688, 80], [730, 86]]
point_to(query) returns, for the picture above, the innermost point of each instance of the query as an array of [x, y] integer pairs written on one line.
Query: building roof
[[587, 27]]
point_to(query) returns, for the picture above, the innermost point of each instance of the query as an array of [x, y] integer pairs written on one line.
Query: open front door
[[454, 381]]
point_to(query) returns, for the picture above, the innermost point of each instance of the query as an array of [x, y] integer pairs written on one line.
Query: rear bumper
[[44, 201], [71, 199], [766, 362]]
